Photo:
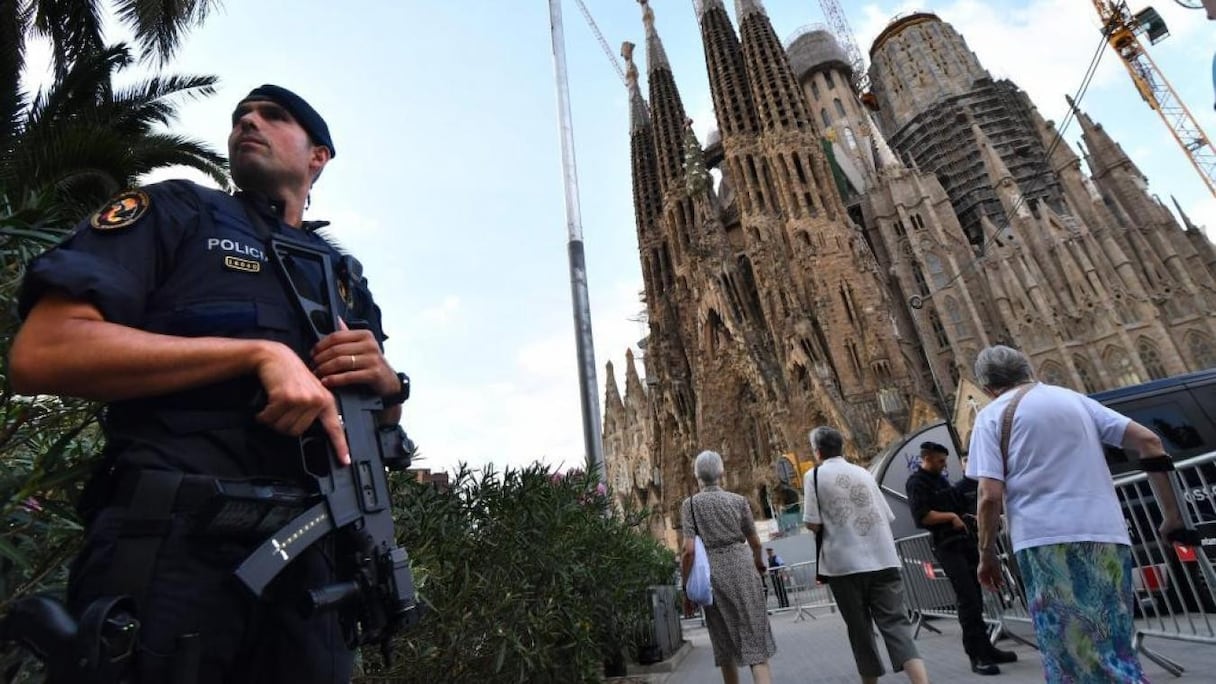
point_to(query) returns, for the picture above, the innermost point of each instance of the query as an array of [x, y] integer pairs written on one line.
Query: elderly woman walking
[[1037, 451], [737, 619]]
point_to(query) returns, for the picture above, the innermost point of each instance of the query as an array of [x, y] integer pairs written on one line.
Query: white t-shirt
[[856, 519], [1058, 488]]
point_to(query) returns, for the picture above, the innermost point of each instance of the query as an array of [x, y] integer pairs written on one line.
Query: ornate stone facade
[[827, 281]]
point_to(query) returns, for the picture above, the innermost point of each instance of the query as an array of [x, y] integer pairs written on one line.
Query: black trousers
[[783, 599], [960, 559], [193, 591]]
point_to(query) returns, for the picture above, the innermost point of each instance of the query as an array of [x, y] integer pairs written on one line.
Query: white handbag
[[698, 587]]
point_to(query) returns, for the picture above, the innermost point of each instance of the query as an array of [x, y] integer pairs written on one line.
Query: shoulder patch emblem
[[122, 211]]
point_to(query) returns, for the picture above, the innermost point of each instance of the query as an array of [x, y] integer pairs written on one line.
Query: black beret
[[934, 447], [301, 111]]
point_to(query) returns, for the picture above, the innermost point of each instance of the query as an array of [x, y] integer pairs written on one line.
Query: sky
[[448, 187]]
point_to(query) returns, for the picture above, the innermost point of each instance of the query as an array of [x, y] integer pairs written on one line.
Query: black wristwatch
[[401, 395]]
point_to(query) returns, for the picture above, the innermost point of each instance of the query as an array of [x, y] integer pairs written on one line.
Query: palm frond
[[73, 26], [159, 25], [159, 150]]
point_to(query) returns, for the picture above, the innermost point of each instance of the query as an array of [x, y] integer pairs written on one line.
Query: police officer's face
[[268, 151], [932, 462]]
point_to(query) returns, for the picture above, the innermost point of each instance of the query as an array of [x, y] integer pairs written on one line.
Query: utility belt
[[218, 508], [215, 507]]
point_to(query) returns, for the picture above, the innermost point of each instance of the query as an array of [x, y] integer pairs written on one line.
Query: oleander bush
[[527, 577]]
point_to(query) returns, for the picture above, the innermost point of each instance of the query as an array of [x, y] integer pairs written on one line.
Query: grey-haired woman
[[737, 619]]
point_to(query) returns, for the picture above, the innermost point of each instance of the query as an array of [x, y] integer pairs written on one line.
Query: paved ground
[[817, 650]]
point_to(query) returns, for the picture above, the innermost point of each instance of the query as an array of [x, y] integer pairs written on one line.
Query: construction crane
[[600, 37], [1122, 30], [834, 14]]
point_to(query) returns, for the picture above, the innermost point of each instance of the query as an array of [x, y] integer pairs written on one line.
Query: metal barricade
[[1175, 586], [929, 593], [804, 594]]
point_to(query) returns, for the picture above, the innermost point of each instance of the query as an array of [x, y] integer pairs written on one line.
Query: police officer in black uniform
[[165, 306], [938, 507]]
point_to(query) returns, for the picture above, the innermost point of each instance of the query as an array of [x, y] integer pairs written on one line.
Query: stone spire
[[778, 97], [633, 382], [1186, 220], [656, 56], [728, 85], [1002, 179], [647, 200], [1105, 155], [614, 408], [639, 113], [667, 110], [746, 8]]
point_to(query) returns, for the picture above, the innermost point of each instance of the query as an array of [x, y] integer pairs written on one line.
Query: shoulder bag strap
[[1007, 423], [818, 507], [692, 507]]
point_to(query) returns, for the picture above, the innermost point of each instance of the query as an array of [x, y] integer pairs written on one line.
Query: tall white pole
[[588, 386]]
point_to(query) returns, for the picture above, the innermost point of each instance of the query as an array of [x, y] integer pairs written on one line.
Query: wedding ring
[[352, 361]]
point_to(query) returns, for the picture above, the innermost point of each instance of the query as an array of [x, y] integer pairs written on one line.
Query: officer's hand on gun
[[353, 357], [296, 398]]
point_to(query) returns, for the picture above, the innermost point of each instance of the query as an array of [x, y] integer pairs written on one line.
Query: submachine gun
[[374, 593]]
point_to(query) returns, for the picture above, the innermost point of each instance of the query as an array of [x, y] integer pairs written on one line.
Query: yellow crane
[[1122, 30]]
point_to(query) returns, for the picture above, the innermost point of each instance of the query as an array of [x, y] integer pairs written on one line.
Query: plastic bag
[[698, 588]]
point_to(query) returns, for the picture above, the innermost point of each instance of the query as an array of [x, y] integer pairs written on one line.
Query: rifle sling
[[145, 524]]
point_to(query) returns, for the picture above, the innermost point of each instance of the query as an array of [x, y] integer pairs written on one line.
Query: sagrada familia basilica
[[855, 257]]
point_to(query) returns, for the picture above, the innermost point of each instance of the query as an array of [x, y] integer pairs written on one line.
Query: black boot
[[996, 655], [983, 666]]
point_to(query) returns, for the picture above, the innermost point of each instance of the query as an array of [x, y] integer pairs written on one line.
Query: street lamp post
[[916, 303], [588, 386]]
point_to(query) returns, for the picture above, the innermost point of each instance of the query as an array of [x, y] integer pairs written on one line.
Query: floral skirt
[[1080, 597]]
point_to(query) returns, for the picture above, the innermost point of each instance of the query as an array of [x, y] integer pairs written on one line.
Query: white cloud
[[441, 314], [536, 414]]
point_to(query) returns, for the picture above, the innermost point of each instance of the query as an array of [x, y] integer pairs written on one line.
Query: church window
[[899, 228], [803, 378], [1127, 316], [1203, 352], [1086, 373], [827, 78], [854, 357], [827, 120], [808, 349], [936, 272], [954, 375], [839, 107], [814, 89], [957, 320], [1151, 359], [1121, 366], [939, 332], [919, 277], [846, 295], [1052, 374]]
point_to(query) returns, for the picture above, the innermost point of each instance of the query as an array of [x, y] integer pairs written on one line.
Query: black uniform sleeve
[[118, 268], [920, 497]]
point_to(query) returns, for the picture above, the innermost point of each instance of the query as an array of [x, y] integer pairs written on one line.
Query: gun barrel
[[330, 596]]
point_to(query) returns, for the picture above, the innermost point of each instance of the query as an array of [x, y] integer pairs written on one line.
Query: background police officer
[[938, 507], [164, 306]]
